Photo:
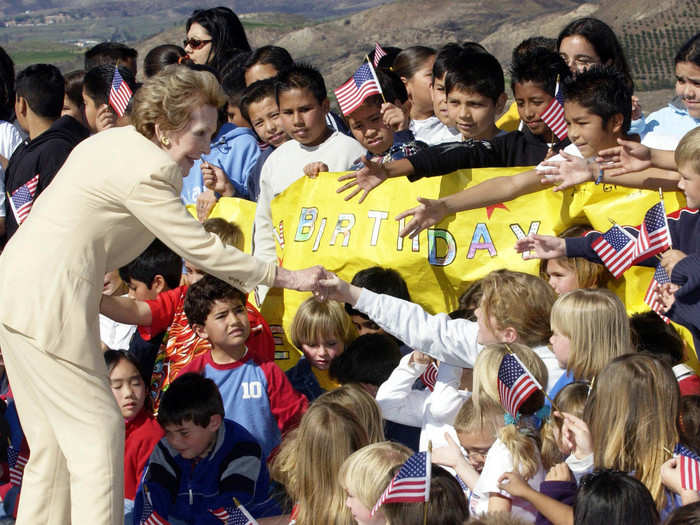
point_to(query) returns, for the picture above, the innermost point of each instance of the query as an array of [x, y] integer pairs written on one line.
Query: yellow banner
[[315, 225], [239, 211]]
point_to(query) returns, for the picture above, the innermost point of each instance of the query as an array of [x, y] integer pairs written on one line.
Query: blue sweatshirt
[[189, 490], [235, 150]]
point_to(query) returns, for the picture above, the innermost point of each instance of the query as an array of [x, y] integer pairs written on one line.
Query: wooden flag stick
[[376, 78], [425, 504]]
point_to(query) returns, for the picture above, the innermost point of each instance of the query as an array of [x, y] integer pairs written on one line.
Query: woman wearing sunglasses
[[214, 36]]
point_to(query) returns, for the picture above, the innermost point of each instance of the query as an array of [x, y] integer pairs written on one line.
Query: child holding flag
[[362, 100]]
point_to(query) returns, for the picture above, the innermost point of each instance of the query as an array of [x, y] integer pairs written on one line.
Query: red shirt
[[141, 435], [182, 345]]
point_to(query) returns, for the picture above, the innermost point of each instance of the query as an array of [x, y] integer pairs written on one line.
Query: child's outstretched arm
[[574, 170], [492, 191], [371, 176], [453, 341], [436, 160], [632, 156], [556, 512], [126, 310]]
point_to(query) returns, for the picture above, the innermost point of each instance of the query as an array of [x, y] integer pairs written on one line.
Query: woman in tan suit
[[114, 194]]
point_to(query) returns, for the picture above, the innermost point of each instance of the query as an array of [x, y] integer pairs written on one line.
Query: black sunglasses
[[195, 43]]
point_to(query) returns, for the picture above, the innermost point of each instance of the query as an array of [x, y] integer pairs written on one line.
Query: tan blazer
[[115, 192]]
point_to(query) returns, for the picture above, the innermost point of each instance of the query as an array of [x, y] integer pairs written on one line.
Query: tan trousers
[[75, 432]]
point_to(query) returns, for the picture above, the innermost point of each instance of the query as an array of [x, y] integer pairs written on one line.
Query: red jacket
[[141, 435]]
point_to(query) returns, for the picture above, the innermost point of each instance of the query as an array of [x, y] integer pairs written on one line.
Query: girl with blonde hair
[[518, 445], [310, 458], [590, 328], [366, 474], [628, 424], [570, 273], [320, 330]]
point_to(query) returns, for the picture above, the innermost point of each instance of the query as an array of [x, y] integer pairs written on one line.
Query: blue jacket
[[189, 490], [686, 307], [303, 379], [235, 150]]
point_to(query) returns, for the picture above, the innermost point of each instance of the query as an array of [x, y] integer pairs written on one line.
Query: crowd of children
[[216, 432]]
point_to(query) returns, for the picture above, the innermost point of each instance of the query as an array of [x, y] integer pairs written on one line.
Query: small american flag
[[16, 462], [22, 199], [553, 115], [120, 94], [616, 248], [148, 515], [411, 483], [234, 515], [361, 85], [515, 384], [690, 468], [654, 236], [378, 54], [653, 295], [429, 377]]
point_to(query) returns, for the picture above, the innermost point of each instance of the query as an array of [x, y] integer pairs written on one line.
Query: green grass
[[37, 52]]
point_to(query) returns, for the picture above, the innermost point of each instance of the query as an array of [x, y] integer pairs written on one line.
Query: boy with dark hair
[[164, 357], [256, 395], [259, 107], [114, 53], [379, 280], [445, 56], [533, 82], [203, 463], [368, 360], [33, 165], [303, 104], [475, 92], [156, 270]]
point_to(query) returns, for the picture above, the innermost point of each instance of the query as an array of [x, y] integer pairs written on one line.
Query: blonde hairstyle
[[688, 151], [596, 323], [310, 458], [491, 420], [356, 399], [167, 99], [632, 412], [521, 301], [572, 399], [229, 232], [524, 448], [588, 273], [316, 319], [368, 472]]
